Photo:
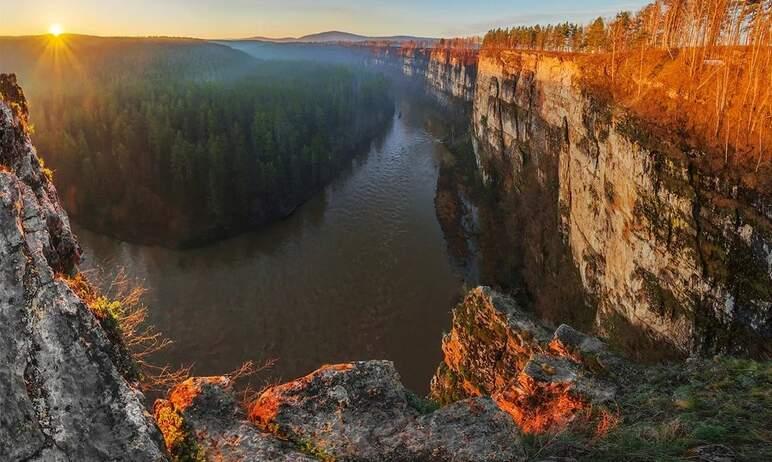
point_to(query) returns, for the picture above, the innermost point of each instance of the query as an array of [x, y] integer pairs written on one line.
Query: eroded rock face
[[61, 395], [448, 71], [345, 409], [453, 72], [496, 349], [201, 418], [660, 245], [361, 412]]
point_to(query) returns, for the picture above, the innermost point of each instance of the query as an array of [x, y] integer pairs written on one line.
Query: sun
[[55, 30]]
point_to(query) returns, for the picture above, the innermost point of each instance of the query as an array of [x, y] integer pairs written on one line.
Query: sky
[[280, 18]]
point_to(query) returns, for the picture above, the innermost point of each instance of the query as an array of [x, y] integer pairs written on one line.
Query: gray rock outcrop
[[61, 394], [347, 412], [543, 381]]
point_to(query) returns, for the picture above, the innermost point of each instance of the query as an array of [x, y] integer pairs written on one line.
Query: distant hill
[[276, 40], [338, 36], [333, 36], [73, 62]]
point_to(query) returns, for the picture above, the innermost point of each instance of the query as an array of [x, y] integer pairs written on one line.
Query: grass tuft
[[676, 413]]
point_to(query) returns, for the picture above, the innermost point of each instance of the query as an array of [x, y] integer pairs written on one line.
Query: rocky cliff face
[[453, 73], [415, 61], [658, 245], [61, 392]]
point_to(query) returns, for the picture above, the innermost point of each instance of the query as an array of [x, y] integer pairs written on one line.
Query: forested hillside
[[178, 142]]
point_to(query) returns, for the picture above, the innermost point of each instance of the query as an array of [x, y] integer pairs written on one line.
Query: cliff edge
[[61, 394], [661, 243]]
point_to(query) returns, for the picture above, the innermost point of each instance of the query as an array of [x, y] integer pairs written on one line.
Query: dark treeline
[[173, 149]]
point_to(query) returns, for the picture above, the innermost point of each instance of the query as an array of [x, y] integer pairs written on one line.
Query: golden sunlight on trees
[[717, 65]]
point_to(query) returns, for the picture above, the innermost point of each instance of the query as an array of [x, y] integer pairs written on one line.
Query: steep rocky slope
[[541, 379], [577, 399], [61, 393], [659, 245], [453, 73]]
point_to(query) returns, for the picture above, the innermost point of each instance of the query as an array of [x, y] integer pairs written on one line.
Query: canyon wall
[[451, 72], [659, 246]]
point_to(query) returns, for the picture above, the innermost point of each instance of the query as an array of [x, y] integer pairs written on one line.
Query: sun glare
[[55, 30]]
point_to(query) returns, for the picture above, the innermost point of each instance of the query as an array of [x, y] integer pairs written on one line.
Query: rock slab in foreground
[[349, 412], [202, 420], [62, 397]]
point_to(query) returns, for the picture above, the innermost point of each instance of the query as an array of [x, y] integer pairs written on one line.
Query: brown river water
[[360, 272]]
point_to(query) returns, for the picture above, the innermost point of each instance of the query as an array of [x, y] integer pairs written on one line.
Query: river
[[360, 272]]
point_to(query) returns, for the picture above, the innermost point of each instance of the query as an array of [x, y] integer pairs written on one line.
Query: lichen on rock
[[543, 381], [62, 395], [362, 412]]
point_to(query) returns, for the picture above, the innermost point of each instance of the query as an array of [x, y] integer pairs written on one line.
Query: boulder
[[542, 380], [362, 412]]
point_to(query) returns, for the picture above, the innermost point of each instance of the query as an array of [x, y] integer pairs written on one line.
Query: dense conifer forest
[[178, 142]]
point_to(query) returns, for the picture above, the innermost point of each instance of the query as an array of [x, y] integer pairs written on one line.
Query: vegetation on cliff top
[[709, 410], [701, 69]]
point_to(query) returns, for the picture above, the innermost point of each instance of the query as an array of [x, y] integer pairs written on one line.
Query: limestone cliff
[[449, 71], [453, 72], [415, 61], [61, 391], [659, 245]]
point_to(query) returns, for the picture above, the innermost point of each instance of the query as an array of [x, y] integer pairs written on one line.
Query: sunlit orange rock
[[543, 381], [362, 412], [201, 420]]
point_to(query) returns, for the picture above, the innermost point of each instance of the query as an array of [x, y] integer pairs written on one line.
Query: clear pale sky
[[278, 18]]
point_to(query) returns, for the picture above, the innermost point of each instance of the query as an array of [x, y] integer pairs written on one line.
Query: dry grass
[[699, 69], [123, 316]]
